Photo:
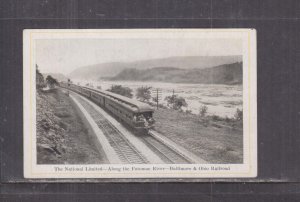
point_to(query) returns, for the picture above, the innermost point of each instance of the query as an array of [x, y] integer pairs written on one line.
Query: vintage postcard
[[140, 103]]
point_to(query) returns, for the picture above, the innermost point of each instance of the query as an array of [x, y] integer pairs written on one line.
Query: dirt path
[[62, 137]]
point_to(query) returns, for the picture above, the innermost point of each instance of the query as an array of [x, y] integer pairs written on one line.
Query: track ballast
[[124, 149]]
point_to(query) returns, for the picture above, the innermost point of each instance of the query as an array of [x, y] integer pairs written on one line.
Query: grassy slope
[[214, 141]]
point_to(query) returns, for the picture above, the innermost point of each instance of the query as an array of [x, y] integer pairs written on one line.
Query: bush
[[118, 89], [216, 118], [238, 114], [227, 119], [52, 82], [154, 99], [89, 85], [205, 122], [188, 111], [203, 110], [176, 102], [143, 94]]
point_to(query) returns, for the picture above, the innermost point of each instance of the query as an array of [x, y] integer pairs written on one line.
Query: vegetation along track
[[124, 149], [168, 154]]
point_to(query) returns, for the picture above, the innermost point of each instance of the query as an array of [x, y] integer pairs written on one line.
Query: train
[[132, 113]]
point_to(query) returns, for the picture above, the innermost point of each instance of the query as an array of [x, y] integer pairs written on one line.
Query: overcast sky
[[65, 55]]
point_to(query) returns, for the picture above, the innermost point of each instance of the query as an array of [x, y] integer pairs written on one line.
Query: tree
[[143, 93], [52, 82], [170, 100], [118, 89], [176, 102], [203, 110], [238, 114], [39, 78], [154, 99], [70, 82]]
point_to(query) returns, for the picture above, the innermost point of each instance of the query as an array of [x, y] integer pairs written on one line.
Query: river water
[[221, 100]]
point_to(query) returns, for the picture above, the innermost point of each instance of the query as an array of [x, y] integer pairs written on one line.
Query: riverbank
[[215, 139], [221, 100], [62, 137]]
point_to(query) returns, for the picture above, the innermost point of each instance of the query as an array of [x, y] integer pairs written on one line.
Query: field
[[212, 138]]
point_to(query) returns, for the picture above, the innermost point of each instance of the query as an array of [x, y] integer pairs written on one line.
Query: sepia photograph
[[140, 103]]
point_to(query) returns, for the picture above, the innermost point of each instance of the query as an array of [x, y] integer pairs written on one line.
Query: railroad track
[[124, 149], [168, 154]]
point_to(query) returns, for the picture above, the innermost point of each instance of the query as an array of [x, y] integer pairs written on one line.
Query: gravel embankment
[[62, 137]]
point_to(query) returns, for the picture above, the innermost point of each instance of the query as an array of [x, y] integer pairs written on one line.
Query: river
[[221, 100]]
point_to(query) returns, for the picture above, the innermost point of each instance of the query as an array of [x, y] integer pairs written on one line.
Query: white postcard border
[[247, 169]]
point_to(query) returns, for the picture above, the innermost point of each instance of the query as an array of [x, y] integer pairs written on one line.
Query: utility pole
[[157, 95], [157, 98]]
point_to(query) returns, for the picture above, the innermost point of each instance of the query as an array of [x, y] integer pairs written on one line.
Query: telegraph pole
[[157, 98], [156, 94]]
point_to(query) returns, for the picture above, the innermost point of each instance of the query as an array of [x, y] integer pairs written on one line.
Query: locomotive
[[135, 114]]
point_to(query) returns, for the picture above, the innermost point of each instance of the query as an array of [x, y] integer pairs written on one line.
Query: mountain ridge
[[222, 74], [110, 69]]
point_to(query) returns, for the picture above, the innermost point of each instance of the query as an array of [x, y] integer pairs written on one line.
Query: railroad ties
[[167, 154], [124, 149]]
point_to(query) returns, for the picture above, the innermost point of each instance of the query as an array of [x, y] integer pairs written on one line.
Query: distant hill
[[222, 74], [94, 72], [57, 76]]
